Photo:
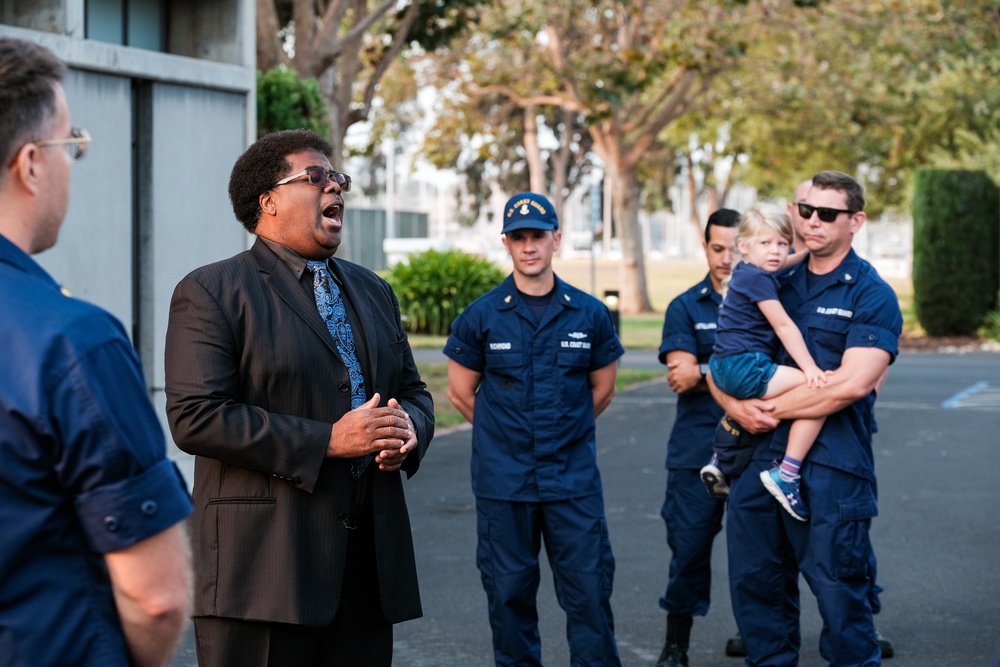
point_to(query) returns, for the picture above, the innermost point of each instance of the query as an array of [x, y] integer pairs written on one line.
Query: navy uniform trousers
[[833, 552], [510, 536], [693, 520]]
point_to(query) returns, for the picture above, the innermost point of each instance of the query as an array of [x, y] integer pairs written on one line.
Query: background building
[[166, 89]]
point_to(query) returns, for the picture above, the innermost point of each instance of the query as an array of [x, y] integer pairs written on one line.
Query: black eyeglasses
[[825, 214], [320, 177], [76, 144]]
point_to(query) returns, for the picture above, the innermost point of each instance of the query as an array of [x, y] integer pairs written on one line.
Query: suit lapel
[[281, 279]]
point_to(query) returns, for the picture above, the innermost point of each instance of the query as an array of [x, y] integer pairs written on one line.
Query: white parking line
[[966, 397]]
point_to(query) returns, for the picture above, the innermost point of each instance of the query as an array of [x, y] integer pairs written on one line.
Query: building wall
[[149, 203]]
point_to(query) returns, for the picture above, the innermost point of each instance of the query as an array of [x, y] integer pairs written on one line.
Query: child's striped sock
[[789, 469]]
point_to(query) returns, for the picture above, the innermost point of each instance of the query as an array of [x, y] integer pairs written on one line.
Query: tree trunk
[[338, 129], [560, 169], [536, 173], [711, 201], [692, 196], [634, 296], [269, 51]]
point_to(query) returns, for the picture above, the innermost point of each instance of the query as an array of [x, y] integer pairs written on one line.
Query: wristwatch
[[704, 369]]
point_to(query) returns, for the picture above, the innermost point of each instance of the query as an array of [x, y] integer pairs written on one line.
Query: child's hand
[[815, 377]]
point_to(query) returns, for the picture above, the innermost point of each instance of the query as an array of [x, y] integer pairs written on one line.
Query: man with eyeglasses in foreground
[[95, 563], [851, 321], [290, 378]]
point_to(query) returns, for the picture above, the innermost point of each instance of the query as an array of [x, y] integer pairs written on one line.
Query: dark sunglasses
[[825, 214], [320, 177]]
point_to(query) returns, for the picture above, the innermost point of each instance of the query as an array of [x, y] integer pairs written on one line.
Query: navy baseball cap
[[529, 211]]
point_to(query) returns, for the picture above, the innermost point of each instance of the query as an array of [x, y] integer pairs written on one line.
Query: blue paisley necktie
[[331, 308]]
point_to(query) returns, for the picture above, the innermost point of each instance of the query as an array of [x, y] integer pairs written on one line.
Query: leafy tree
[[348, 45], [287, 102], [490, 124], [777, 89], [625, 69], [873, 88], [633, 69]]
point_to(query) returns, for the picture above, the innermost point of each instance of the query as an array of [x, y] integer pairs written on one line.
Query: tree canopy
[[348, 45], [775, 90]]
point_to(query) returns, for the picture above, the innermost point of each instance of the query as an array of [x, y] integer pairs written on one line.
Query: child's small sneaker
[[786, 493], [714, 480]]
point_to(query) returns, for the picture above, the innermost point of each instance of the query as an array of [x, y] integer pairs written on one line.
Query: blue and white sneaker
[[786, 493]]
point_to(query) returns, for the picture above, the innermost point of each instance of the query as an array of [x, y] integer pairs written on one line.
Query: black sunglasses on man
[[825, 214]]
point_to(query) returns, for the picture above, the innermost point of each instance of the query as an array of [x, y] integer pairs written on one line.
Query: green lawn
[[642, 332], [445, 414], [637, 332]]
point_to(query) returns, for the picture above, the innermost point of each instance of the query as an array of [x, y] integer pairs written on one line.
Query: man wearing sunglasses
[[289, 377], [95, 563], [851, 321], [886, 645], [735, 646]]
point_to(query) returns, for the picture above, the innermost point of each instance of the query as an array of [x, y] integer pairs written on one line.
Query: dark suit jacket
[[253, 385]]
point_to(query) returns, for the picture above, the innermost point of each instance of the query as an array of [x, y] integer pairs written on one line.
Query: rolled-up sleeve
[[464, 345], [111, 451], [116, 516], [678, 330]]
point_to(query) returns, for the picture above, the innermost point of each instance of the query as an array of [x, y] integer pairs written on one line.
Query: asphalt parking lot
[[937, 455]]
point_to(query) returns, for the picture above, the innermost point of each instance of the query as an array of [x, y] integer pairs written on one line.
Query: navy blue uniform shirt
[[83, 470], [849, 307], [690, 325], [533, 432]]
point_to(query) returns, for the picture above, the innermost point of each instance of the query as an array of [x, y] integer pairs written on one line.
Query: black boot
[[735, 647], [675, 650]]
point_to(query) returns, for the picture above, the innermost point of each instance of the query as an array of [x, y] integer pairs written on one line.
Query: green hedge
[[433, 287], [956, 250]]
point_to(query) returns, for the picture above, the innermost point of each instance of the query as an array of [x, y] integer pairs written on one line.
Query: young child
[[751, 324]]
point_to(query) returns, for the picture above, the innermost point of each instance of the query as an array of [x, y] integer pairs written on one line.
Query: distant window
[[138, 23]]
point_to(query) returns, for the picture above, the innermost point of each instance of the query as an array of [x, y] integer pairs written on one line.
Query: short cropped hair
[[264, 164], [29, 73], [838, 180], [762, 217], [724, 217]]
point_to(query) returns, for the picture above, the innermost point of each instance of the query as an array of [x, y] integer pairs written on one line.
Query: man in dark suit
[[287, 373]]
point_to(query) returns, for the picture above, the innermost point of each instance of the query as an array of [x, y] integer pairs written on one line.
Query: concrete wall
[[149, 203]]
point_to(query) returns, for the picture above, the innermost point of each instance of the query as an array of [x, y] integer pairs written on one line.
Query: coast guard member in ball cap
[[531, 365]]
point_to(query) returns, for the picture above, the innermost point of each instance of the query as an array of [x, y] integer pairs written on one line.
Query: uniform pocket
[[827, 338], [505, 370], [574, 365], [578, 359], [506, 364], [851, 560]]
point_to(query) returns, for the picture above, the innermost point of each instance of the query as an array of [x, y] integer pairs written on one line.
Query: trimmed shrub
[[287, 102], [956, 250], [434, 287]]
